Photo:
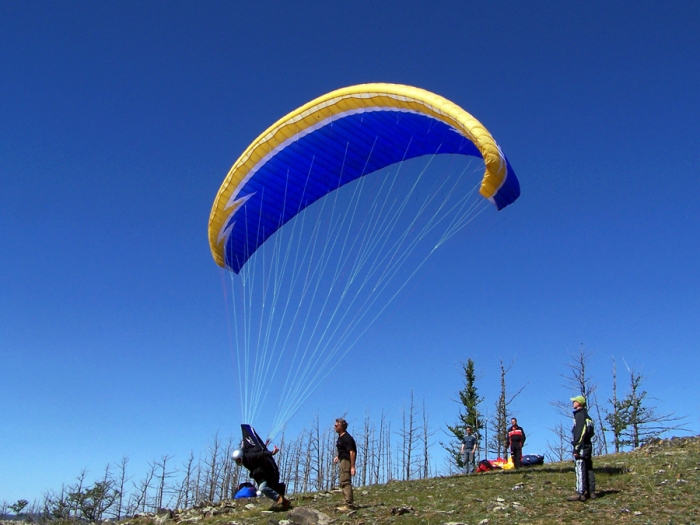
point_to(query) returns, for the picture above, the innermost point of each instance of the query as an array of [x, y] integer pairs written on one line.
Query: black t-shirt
[[346, 444]]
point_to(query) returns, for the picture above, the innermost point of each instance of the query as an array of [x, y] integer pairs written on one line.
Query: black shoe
[[577, 497]]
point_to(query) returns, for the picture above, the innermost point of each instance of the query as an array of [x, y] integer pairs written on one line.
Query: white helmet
[[237, 455]]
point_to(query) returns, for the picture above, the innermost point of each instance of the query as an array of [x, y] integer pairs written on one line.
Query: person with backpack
[[582, 433], [260, 463]]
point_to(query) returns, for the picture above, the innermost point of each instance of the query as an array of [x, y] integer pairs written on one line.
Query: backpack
[[246, 490], [532, 459], [484, 466]]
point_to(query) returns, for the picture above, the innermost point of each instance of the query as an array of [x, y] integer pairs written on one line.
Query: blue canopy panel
[[509, 191], [314, 164]]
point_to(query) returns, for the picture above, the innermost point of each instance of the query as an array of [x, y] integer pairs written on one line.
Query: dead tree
[[560, 450], [291, 466], [163, 477], [198, 493], [365, 449], [388, 469], [229, 477], [213, 468], [331, 474], [499, 424], [578, 382], [379, 453], [600, 441], [408, 440], [319, 456], [140, 501], [306, 471], [121, 482], [426, 444], [184, 493]]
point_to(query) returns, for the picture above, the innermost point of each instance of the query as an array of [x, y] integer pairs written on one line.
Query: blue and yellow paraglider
[[333, 140], [317, 249]]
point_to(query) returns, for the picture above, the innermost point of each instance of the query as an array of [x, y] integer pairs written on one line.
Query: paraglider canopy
[[334, 140], [318, 248]]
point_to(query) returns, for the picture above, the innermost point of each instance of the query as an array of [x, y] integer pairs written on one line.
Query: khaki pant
[[346, 481]]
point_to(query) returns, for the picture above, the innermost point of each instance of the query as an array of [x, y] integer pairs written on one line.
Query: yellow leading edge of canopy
[[346, 99]]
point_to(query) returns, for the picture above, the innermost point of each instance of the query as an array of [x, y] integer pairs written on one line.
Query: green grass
[[657, 484]]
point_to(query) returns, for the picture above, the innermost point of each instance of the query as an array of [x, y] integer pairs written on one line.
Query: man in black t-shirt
[[347, 453]]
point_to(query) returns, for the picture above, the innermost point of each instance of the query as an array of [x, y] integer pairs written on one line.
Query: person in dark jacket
[[516, 441], [582, 433], [263, 469]]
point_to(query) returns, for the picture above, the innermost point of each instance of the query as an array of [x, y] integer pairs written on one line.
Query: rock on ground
[[304, 516]]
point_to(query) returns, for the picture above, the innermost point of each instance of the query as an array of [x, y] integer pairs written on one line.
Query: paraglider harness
[[263, 466]]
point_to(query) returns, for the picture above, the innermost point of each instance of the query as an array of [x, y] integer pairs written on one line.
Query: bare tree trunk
[[635, 403], [229, 478], [144, 486], [408, 440], [426, 452], [162, 477], [601, 445], [212, 469], [561, 449], [331, 472], [500, 423], [381, 451], [365, 449], [617, 436], [292, 466], [199, 484], [316, 445], [122, 481], [389, 468], [183, 497], [308, 455]]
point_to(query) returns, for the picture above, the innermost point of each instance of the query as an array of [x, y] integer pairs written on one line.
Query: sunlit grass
[[657, 484]]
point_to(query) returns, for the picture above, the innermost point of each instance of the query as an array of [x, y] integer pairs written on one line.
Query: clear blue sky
[[119, 121]]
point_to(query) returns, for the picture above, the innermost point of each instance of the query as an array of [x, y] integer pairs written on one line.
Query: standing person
[[347, 453], [263, 469], [582, 433], [516, 441], [468, 450]]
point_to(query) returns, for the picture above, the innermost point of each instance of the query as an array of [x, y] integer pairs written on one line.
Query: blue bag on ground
[[532, 459], [246, 490]]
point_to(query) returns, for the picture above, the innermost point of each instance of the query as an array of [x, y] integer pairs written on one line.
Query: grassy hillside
[[658, 484]]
